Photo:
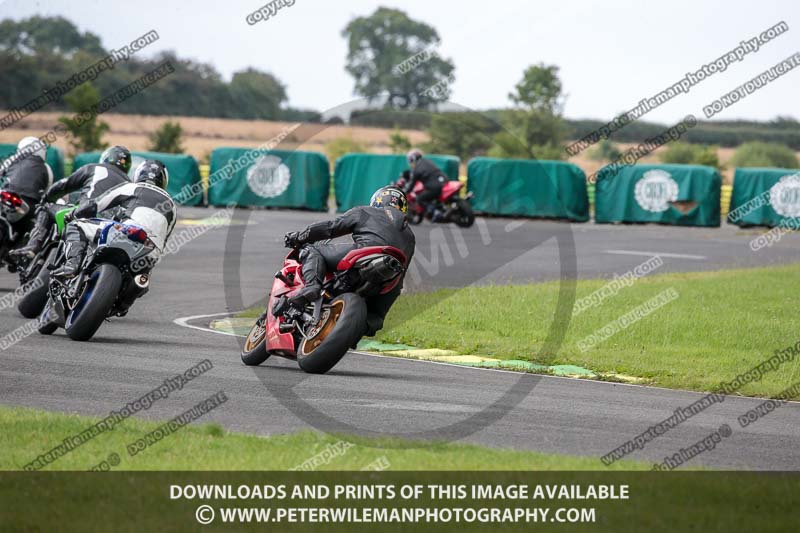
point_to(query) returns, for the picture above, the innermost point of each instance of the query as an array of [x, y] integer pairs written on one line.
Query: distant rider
[[28, 176], [382, 223], [92, 181], [425, 171], [145, 203]]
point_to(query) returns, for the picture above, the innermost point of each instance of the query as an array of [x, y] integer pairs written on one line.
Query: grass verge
[[721, 324], [26, 433]]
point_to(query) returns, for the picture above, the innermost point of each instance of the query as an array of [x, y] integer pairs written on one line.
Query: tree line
[[39, 52], [395, 64]]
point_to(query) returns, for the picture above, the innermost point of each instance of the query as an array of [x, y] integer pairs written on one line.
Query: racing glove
[[291, 239], [87, 210]]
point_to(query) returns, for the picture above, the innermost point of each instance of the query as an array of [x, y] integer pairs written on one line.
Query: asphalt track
[[377, 395]]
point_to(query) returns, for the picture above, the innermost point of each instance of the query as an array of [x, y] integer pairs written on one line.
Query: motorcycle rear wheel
[[254, 351], [342, 325], [465, 217], [96, 305]]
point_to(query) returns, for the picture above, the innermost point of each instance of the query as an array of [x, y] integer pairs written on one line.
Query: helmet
[[32, 146], [413, 156], [119, 156], [152, 171], [390, 196]]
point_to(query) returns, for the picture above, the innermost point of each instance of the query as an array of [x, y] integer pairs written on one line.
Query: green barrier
[[527, 187], [274, 178], [682, 195], [357, 176], [764, 196], [184, 172], [55, 158]]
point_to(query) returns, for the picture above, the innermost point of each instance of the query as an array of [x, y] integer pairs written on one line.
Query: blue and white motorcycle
[[115, 272]]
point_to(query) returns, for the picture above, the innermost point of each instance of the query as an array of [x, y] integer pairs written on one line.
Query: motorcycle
[[455, 209], [12, 209], [115, 272], [34, 274], [320, 334]]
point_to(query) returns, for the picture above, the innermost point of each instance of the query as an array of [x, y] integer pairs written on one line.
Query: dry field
[[202, 135]]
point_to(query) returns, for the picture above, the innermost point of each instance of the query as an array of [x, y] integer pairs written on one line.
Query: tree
[[85, 131], [540, 89], [257, 91], [398, 142], [534, 128], [167, 138], [761, 154], [690, 154], [46, 34], [463, 134], [391, 54]]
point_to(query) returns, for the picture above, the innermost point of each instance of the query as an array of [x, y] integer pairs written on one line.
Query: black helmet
[[413, 156], [119, 156], [390, 196], [152, 171]]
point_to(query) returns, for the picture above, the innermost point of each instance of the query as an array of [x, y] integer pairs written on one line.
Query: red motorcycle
[[318, 335], [454, 208]]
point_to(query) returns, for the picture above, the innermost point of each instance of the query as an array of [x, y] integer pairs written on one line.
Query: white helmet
[[32, 146]]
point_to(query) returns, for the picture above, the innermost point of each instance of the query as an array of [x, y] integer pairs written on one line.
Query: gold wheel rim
[[256, 335], [313, 342]]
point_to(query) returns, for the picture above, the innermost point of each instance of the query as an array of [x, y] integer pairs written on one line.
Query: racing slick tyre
[[465, 217], [254, 351], [341, 325], [32, 304], [415, 218], [98, 298]]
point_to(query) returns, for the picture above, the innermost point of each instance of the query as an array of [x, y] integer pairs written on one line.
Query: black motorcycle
[[34, 275]]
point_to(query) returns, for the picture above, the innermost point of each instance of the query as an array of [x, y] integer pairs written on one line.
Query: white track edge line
[[182, 322]]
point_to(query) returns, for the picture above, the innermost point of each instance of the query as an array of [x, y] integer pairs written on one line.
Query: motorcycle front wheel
[[98, 298], [254, 351], [341, 326], [36, 291]]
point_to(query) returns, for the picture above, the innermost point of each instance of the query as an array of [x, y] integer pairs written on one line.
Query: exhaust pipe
[[142, 281]]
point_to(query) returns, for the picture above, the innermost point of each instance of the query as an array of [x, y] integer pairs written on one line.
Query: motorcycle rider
[[28, 176], [92, 181], [145, 203], [382, 223], [432, 178]]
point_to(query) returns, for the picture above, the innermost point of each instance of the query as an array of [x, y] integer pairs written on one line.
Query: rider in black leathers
[[91, 180], [432, 179], [28, 176], [382, 223]]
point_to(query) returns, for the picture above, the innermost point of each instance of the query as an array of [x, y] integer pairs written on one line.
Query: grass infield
[[27, 433], [721, 324]]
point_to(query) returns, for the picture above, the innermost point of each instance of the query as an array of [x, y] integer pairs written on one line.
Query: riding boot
[[76, 249], [434, 213], [313, 272], [38, 235]]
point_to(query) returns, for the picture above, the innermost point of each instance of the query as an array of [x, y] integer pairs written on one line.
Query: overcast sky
[[611, 53]]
